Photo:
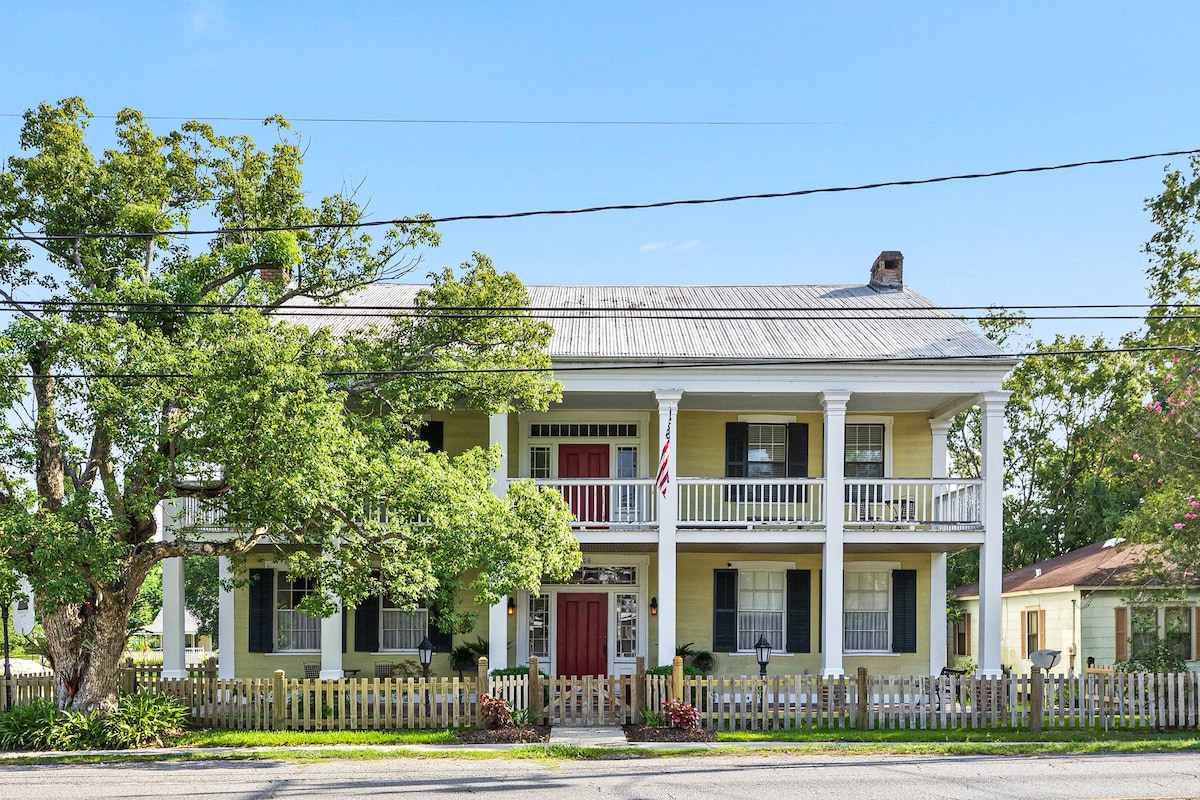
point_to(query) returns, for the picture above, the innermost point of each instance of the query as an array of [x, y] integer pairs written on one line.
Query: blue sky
[[887, 91]]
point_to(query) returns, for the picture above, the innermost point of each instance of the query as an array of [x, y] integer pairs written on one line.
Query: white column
[[668, 516], [991, 569], [173, 642], [225, 620], [833, 561], [937, 612], [331, 644], [940, 428], [498, 614]]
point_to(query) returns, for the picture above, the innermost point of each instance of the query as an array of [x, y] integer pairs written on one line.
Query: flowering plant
[[496, 711], [680, 714]]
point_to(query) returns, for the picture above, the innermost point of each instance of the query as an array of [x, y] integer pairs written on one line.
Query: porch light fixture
[[425, 652], [762, 651], [654, 606], [512, 606]]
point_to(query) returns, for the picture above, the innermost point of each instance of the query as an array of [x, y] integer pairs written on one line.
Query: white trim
[[762, 566], [768, 419], [870, 566]]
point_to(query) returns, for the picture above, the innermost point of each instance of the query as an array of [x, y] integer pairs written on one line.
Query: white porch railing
[[201, 514], [608, 502], [750, 502], [943, 503]]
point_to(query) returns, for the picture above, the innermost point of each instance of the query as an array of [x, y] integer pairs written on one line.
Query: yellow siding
[[700, 442], [912, 446], [463, 430]]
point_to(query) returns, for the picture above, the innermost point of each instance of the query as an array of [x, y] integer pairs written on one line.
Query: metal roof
[[678, 322]]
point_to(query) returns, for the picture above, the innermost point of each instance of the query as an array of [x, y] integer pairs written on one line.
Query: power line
[[659, 365], [468, 121], [403, 221]]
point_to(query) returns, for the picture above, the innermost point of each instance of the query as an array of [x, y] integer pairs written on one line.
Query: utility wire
[[659, 365], [412, 121], [404, 221]]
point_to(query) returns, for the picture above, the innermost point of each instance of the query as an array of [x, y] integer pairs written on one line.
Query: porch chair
[[312, 670], [942, 687]]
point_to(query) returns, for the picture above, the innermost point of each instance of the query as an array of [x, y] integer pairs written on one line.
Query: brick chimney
[[887, 273]]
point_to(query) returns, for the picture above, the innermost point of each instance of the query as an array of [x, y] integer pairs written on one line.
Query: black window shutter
[[433, 434], [737, 456], [725, 591], [904, 611], [262, 610], [345, 615], [442, 642], [797, 450], [366, 625], [797, 459], [799, 611]]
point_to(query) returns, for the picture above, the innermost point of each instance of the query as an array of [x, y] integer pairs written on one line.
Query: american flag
[[664, 458]]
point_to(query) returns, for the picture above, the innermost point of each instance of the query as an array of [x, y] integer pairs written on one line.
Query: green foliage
[[520, 716], [202, 592], [140, 720], [688, 670], [516, 671], [302, 436], [653, 718], [496, 712], [149, 601]]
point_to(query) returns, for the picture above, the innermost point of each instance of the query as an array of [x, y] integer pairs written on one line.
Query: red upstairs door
[[582, 633], [589, 504]]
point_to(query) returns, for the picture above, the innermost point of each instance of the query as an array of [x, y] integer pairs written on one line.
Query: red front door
[[582, 633], [589, 504]]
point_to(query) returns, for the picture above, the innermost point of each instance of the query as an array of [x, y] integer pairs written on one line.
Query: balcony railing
[[938, 503], [201, 515], [750, 502], [608, 502]]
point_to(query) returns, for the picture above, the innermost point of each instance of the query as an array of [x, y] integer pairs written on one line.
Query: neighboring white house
[[807, 497], [193, 641], [1075, 603]]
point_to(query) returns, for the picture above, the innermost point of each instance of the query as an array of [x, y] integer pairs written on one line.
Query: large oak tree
[[166, 367]]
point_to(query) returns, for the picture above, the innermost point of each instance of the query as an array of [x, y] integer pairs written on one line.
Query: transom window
[[626, 576], [760, 608], [867, 614], [294, 629], [400, 629], [581, 431]]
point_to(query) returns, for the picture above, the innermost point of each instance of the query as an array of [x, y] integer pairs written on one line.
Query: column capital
[[940, 427], [835, 400], [993, 402], [668, 398]]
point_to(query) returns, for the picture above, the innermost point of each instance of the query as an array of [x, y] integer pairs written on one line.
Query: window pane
[[1144, 629], [1179, 632], [767, 454], [626, 462], [539, 462], [539, 626], [627, 613], [294, 630], [760, 608], [867, 611], [402, 630]]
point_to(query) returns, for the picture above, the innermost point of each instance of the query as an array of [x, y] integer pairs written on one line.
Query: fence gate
[[586, 700]]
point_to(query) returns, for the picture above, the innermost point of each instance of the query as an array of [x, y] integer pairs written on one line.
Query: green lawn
[[219, 738]]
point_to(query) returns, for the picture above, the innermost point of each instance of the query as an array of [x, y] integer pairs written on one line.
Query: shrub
[[139, 720], [520, 716], [517, 671], [497, 713], [680, 714], [143, 719], [688, 671], [28, 726]]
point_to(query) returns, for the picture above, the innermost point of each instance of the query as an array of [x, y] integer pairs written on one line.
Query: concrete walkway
[[608, 736]]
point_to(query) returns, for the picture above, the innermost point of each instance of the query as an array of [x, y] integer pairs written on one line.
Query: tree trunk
[[86, 644]]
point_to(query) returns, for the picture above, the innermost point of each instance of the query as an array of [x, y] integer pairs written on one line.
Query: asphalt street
[[725, 776]]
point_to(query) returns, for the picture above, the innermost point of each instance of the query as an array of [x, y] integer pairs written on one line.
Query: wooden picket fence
[[1097, 699]]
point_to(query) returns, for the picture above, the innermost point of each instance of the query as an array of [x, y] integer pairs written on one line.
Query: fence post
[[677, 678], [482, 686], [639, 690], [278, 703], [860, 712], [536, 699], [1037, 705], [129, 676]]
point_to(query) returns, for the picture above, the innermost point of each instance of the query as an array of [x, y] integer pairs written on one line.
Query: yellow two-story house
[[742, 462]]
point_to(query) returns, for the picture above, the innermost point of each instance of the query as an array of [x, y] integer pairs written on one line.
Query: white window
[[400, 629], [766, 451], [627, 616], [539, 626], [1172, 626], [539, 461], [628, 508], [761, 599], [867, 618], [294, 629]]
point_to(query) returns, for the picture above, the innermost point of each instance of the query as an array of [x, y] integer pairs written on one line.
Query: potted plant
[[704, 661]]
